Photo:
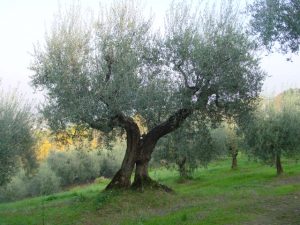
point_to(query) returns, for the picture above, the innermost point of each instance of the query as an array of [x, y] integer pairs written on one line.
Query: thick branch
[[171, 124], [185, 77], [122, 178], [109, 61], [99, 124], [126, 122], [120, 120]]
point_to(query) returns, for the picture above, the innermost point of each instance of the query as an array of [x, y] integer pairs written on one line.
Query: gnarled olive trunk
[[278, 165], [141, 177], [147, 146], [139, 150], [122, 178]]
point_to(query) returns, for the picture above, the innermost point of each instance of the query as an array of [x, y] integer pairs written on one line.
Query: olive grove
[[273, 130], [103, 72]]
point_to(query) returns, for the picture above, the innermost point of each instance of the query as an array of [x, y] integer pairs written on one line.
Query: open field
[[253, 194]]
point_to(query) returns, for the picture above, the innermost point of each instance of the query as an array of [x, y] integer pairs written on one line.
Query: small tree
[[277, 21], [272, 134], [227, 141], [106, 72], [233, 142], [188, 147], [16, 140]]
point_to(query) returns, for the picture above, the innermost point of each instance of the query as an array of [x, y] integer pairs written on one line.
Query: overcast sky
[[24, 22]]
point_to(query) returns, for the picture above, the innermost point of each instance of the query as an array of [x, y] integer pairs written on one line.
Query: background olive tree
[[105, 72], [228, 140], [273, 133], [188, 148], [16, 137]]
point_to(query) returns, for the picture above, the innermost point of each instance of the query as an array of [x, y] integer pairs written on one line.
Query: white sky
[[24, 22]]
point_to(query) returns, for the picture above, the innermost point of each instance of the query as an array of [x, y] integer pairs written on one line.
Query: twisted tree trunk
[[139, 150], [147, 146], [122, 177]]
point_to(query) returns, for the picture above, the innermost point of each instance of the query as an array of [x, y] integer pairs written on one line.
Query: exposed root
[[147, 183], [118, 182]]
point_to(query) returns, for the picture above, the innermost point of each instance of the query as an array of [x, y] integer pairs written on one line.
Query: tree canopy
[[277, 21], [189, 147], [274, 132], [106, 71], [227, 140], [16, 140]]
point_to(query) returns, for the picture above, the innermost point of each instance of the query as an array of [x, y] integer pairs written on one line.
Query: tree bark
[[182, 168], [122, 178], [142, 180], [278, 165], [147, 146], [139, 150], [234, 164], [141, 177]]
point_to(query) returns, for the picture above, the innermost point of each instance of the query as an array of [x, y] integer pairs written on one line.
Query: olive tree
[[272, 134], [277, 21], [227, 141], [103, 73], [189, 147], [16, 139]]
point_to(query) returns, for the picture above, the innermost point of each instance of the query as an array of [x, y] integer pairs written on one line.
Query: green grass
[[216, 195]]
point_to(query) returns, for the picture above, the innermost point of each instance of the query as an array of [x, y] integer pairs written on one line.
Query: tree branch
[[125, 122], [171, 124], [185, 77], [109, 60]]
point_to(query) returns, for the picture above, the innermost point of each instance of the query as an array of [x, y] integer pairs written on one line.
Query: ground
[[250, 195]]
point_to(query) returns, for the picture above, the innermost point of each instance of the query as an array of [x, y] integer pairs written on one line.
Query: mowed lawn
[[253, 194]]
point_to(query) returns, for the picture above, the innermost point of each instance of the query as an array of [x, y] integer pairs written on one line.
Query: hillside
[[217, 195], [290, 96]]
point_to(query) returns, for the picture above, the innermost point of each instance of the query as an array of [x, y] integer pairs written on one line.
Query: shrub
[[64, 166], [109, 167], [45, 182], [16, 189], [111, 160], [16, 139], [74, 166], [89, 165], [62, 169], [81, 166]]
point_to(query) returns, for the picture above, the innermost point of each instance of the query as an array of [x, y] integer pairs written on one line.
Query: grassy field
[[253, 194]]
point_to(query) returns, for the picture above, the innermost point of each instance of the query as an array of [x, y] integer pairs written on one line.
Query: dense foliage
[[62, 169], [277, 21], [16, 138], [274, 133], [189, 147], [103, 73], [228, 140]]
